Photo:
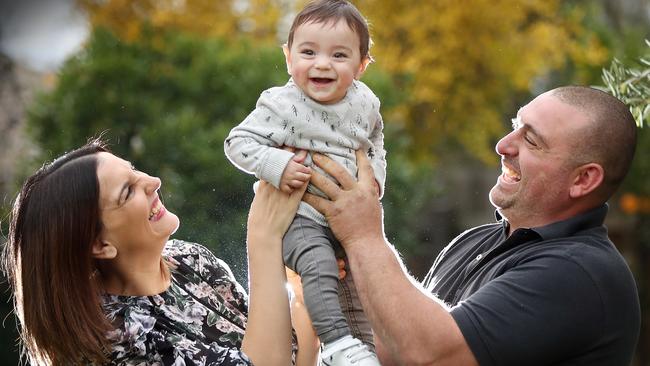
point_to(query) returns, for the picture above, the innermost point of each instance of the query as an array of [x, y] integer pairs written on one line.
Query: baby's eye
[[340, 55], [307, 52]]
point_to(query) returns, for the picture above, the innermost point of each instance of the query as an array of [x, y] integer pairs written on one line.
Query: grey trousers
[[311, 250]]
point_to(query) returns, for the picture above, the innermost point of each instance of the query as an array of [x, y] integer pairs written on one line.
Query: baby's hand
[[294, 175]]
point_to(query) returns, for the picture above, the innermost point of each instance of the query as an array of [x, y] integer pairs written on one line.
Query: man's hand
[[353, 210], [295, 174]]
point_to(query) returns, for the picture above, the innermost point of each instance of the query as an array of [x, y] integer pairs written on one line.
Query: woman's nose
[[152, 184]]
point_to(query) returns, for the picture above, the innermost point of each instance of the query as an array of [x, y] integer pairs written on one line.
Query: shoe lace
[[358, 353]]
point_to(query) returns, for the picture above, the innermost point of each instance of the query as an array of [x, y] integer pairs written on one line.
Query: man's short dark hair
[[610, 139]]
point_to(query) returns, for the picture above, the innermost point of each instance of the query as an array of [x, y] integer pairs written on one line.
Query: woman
[[97, 280]]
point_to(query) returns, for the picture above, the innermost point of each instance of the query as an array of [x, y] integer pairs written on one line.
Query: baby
[[323, 108]]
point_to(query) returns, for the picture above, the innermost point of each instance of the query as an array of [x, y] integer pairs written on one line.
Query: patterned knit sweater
[[285, 116]]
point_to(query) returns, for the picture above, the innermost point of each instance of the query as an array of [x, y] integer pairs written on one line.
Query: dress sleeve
[[218, 275], [539, 311], [254, 145]]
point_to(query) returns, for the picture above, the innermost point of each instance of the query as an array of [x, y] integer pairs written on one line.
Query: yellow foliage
[[457, 63], [209, 18], [466, 59]]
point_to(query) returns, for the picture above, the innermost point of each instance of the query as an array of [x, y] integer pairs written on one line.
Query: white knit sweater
[[285, 116]]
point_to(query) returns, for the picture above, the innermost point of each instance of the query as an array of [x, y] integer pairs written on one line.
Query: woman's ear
[[103, 250], [287, 57], [587, 179]]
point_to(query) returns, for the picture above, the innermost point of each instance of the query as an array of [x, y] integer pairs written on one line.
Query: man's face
[[536, 162]]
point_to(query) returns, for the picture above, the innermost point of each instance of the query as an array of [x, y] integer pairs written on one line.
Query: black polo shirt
[[560, 294]]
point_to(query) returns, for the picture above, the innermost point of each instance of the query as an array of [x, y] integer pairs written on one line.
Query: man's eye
[[529, 140]]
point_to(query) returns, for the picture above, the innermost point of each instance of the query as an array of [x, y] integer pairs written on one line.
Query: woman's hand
[[272, 210]]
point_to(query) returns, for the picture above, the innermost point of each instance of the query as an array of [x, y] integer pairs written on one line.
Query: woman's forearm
[[268, 332], [308, 343]]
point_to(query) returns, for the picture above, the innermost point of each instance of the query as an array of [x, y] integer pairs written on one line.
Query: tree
[[226, 19], [632, 86], [461, 65], [458, 66], [168, 109]]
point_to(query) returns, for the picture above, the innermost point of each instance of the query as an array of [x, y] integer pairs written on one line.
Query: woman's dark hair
[[48, 259]]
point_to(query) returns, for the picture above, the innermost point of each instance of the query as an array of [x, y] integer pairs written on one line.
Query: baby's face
[[324, 59]]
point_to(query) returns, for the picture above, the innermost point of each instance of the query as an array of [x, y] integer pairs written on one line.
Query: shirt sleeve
[[537, 313], [254, 145]]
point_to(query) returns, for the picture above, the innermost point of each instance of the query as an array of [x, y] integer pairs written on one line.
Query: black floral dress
[[199, 320]]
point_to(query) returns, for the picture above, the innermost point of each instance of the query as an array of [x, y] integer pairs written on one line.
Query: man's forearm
[[414, 327]]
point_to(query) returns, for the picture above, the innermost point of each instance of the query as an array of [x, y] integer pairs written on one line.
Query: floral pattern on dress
[[199, 320]]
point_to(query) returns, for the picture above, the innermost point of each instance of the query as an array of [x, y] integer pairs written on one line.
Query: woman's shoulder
[[197, 258]]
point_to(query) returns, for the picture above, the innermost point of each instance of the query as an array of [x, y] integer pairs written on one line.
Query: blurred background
[[165, 80]]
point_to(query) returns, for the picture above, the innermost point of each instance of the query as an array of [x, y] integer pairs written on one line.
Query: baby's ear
[[287, 57], [362, 67]]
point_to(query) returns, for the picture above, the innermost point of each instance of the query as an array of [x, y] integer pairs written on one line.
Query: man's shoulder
[[480, 231]]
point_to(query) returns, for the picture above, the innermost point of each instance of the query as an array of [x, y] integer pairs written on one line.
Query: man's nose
[[507, 145]]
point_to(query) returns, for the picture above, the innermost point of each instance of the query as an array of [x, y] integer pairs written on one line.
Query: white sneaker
[[348, 351]]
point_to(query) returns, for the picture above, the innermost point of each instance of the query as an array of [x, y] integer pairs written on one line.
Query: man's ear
[[588, 177], [103, 250], [287, 57], [362, 67]]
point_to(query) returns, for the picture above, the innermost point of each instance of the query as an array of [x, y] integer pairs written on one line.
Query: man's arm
[[414, 327]]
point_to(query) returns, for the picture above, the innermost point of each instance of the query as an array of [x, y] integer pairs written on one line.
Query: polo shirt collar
[[592, 218]]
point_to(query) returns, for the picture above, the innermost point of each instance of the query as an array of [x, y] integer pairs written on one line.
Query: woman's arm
[[268, 333], [308, 342]]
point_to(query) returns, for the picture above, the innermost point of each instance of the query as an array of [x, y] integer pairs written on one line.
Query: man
[[542, 286]]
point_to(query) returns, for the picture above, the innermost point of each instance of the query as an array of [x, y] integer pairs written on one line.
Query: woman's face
[[133, 217]]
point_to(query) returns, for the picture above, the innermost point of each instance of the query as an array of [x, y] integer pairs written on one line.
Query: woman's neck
[[129, 278]]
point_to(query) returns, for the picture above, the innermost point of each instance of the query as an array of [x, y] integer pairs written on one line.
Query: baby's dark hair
[[325, 11]]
